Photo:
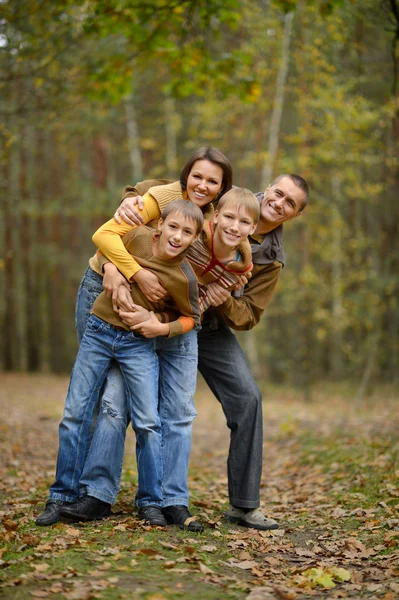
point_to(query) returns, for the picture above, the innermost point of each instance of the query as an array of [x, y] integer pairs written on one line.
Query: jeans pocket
[[95, 324]]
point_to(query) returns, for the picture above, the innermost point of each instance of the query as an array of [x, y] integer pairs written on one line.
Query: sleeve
[[141, 187], [108, 239], [181, 325], [244, 313], [186, 302]]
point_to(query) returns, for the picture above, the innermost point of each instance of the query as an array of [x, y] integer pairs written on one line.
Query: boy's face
[[177, 233], [234, 224]]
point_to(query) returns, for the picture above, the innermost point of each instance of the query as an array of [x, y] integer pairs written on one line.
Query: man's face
[[281, 202]]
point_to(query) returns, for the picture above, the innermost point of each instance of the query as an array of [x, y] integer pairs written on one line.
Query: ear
[[215, 217], [160, 223], [253, 228]]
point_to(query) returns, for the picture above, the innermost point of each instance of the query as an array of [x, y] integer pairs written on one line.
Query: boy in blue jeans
[[108, 339]]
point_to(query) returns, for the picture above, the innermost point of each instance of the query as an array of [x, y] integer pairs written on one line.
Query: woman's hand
[[135, 317], [149, 284], [152, 327], [128, 212], [217, 294]]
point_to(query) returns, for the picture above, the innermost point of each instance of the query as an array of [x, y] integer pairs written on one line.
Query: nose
[[202, 184], [234, 225], [279, 203]]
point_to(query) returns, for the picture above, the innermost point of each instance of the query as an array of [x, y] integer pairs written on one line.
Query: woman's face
[[204, 182]]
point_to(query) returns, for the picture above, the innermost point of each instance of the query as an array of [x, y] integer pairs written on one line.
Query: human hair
[[299, 182], [216, 157], [187, 209], [244, 199]]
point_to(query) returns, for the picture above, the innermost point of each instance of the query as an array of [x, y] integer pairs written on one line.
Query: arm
[[108, 239], [245, 312], [132, 196]]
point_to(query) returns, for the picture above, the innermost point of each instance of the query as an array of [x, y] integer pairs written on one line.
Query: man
[[221, 361]]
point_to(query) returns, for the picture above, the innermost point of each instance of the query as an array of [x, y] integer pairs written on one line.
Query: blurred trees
[[93, 93]]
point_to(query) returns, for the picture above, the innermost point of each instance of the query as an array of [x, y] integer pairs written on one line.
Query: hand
[[122, 300], [136, 317], [112, 280], [217, 294], [149, 284], [242, 281], [127, 211], [152, 327]]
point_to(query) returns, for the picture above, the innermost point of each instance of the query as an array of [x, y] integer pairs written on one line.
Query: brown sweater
[[175, 275]]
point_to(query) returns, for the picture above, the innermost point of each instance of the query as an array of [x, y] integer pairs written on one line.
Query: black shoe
[[51, 514], [180, 515], [152, 515], [87, 508]]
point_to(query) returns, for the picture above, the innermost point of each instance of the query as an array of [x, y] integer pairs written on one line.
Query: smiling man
[[220, 359]]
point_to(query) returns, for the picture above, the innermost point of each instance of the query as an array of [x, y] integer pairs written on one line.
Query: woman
[[205, 177]]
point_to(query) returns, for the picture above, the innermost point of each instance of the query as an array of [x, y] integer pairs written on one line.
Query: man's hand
[[122, 300], [242, 281], [136, 317], [152, 327], [128, 212], [113, 280], [149, 284], [217, 294]]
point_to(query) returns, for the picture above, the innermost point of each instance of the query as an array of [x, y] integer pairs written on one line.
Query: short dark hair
[[299, 182], [186, 209], [214, 156]]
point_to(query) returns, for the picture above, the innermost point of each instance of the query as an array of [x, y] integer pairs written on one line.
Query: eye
[[213, 182]]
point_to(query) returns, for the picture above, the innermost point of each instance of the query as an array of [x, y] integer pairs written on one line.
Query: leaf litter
[[331, 481]]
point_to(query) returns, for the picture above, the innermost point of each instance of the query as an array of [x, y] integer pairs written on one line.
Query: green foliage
[[67, 70]]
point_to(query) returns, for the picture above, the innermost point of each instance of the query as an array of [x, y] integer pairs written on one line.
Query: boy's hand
[[127, 211], [217, 294], [112, 280], [122, 300], [149, 284], [152, 327], [136, 317]]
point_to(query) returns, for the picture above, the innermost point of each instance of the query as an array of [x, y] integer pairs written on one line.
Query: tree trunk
[[274, 131], [133, 139], [171, 136]]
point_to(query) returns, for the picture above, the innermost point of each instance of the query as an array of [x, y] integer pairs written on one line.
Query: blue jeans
[[177, 382], [138, 362]]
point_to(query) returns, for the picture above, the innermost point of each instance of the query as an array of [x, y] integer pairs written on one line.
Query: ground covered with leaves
[[331, 478]]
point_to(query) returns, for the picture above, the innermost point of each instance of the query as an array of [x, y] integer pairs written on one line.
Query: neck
[[264, 227]]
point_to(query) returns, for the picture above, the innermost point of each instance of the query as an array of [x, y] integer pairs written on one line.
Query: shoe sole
[[80, 518], [243, 523]]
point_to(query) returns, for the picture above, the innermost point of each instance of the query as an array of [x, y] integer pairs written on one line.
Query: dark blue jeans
[[226, 371]]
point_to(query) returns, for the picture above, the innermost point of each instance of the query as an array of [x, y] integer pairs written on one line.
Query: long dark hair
[[214, 156]]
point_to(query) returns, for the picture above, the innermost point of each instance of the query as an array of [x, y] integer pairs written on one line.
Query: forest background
[[95, 95]]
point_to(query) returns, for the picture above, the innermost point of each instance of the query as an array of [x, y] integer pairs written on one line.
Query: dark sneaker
[[152, 515], [87, 508], [51, 513], [253, 518], [180, 515]]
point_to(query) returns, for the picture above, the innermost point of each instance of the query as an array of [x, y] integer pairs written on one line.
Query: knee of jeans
[[114, 411]]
